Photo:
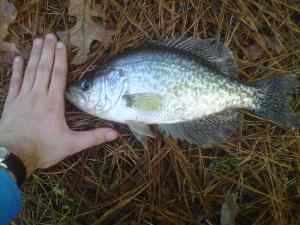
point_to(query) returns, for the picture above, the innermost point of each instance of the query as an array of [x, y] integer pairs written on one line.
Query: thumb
[[86, 139]]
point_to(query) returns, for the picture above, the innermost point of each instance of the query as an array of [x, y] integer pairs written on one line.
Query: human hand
[[33, 124]]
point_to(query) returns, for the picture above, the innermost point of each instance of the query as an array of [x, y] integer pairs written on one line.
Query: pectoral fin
[[144, 101], [141, 131]]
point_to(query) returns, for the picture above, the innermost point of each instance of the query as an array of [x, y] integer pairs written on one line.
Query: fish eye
[[85, 85]]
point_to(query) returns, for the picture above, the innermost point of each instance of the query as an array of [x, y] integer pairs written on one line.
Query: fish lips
[[75, 96]]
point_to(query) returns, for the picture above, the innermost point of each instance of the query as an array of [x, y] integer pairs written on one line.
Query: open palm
[[33, 124]]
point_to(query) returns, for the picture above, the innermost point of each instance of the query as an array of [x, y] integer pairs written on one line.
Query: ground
[[172, 182]]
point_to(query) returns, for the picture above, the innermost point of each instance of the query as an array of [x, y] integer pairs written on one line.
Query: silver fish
[[187, 87]]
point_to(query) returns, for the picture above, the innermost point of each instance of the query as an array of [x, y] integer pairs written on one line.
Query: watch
[[13, 164]]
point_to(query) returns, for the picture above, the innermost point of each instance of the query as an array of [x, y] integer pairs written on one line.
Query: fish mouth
[[74, 95]]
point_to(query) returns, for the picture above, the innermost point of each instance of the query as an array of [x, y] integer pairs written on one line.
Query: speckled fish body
[[183, 87]]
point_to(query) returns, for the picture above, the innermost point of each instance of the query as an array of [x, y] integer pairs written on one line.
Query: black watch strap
[[16, 167]]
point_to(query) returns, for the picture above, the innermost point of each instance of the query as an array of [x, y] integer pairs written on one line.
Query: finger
[[16, 79], [45, 66], [59, 74], [86, 139], [30, 72]]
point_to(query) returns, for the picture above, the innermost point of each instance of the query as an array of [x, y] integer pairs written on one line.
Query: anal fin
[[213, 129]]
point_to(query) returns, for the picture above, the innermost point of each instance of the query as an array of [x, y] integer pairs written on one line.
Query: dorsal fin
[[210, 50]]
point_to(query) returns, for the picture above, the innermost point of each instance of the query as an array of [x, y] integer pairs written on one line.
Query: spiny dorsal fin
[[213, 129], [210, 50]]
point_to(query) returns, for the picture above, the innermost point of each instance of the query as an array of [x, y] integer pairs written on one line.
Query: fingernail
[[17, 59], [60, 45], [50, 36], [111, 135], [37, 41]]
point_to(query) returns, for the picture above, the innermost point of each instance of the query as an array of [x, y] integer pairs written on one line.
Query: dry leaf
[[8, 47], [254, 52], [8, 14], [8, 52], [83, 34], [7, 57], [79, 8], [85, 30], [272, 43]]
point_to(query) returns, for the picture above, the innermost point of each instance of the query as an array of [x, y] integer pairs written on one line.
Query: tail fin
[[274, 101]]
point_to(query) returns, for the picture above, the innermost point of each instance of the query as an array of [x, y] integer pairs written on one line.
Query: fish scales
[[188, 88]]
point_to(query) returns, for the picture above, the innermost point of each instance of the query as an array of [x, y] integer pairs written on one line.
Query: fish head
[[98, 92]]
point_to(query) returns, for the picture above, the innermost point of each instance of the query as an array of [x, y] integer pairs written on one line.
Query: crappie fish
[[187, 87]]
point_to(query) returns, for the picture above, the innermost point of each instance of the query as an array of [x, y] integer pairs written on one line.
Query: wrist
[[27, 158], [21, 148], [13, 164]]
